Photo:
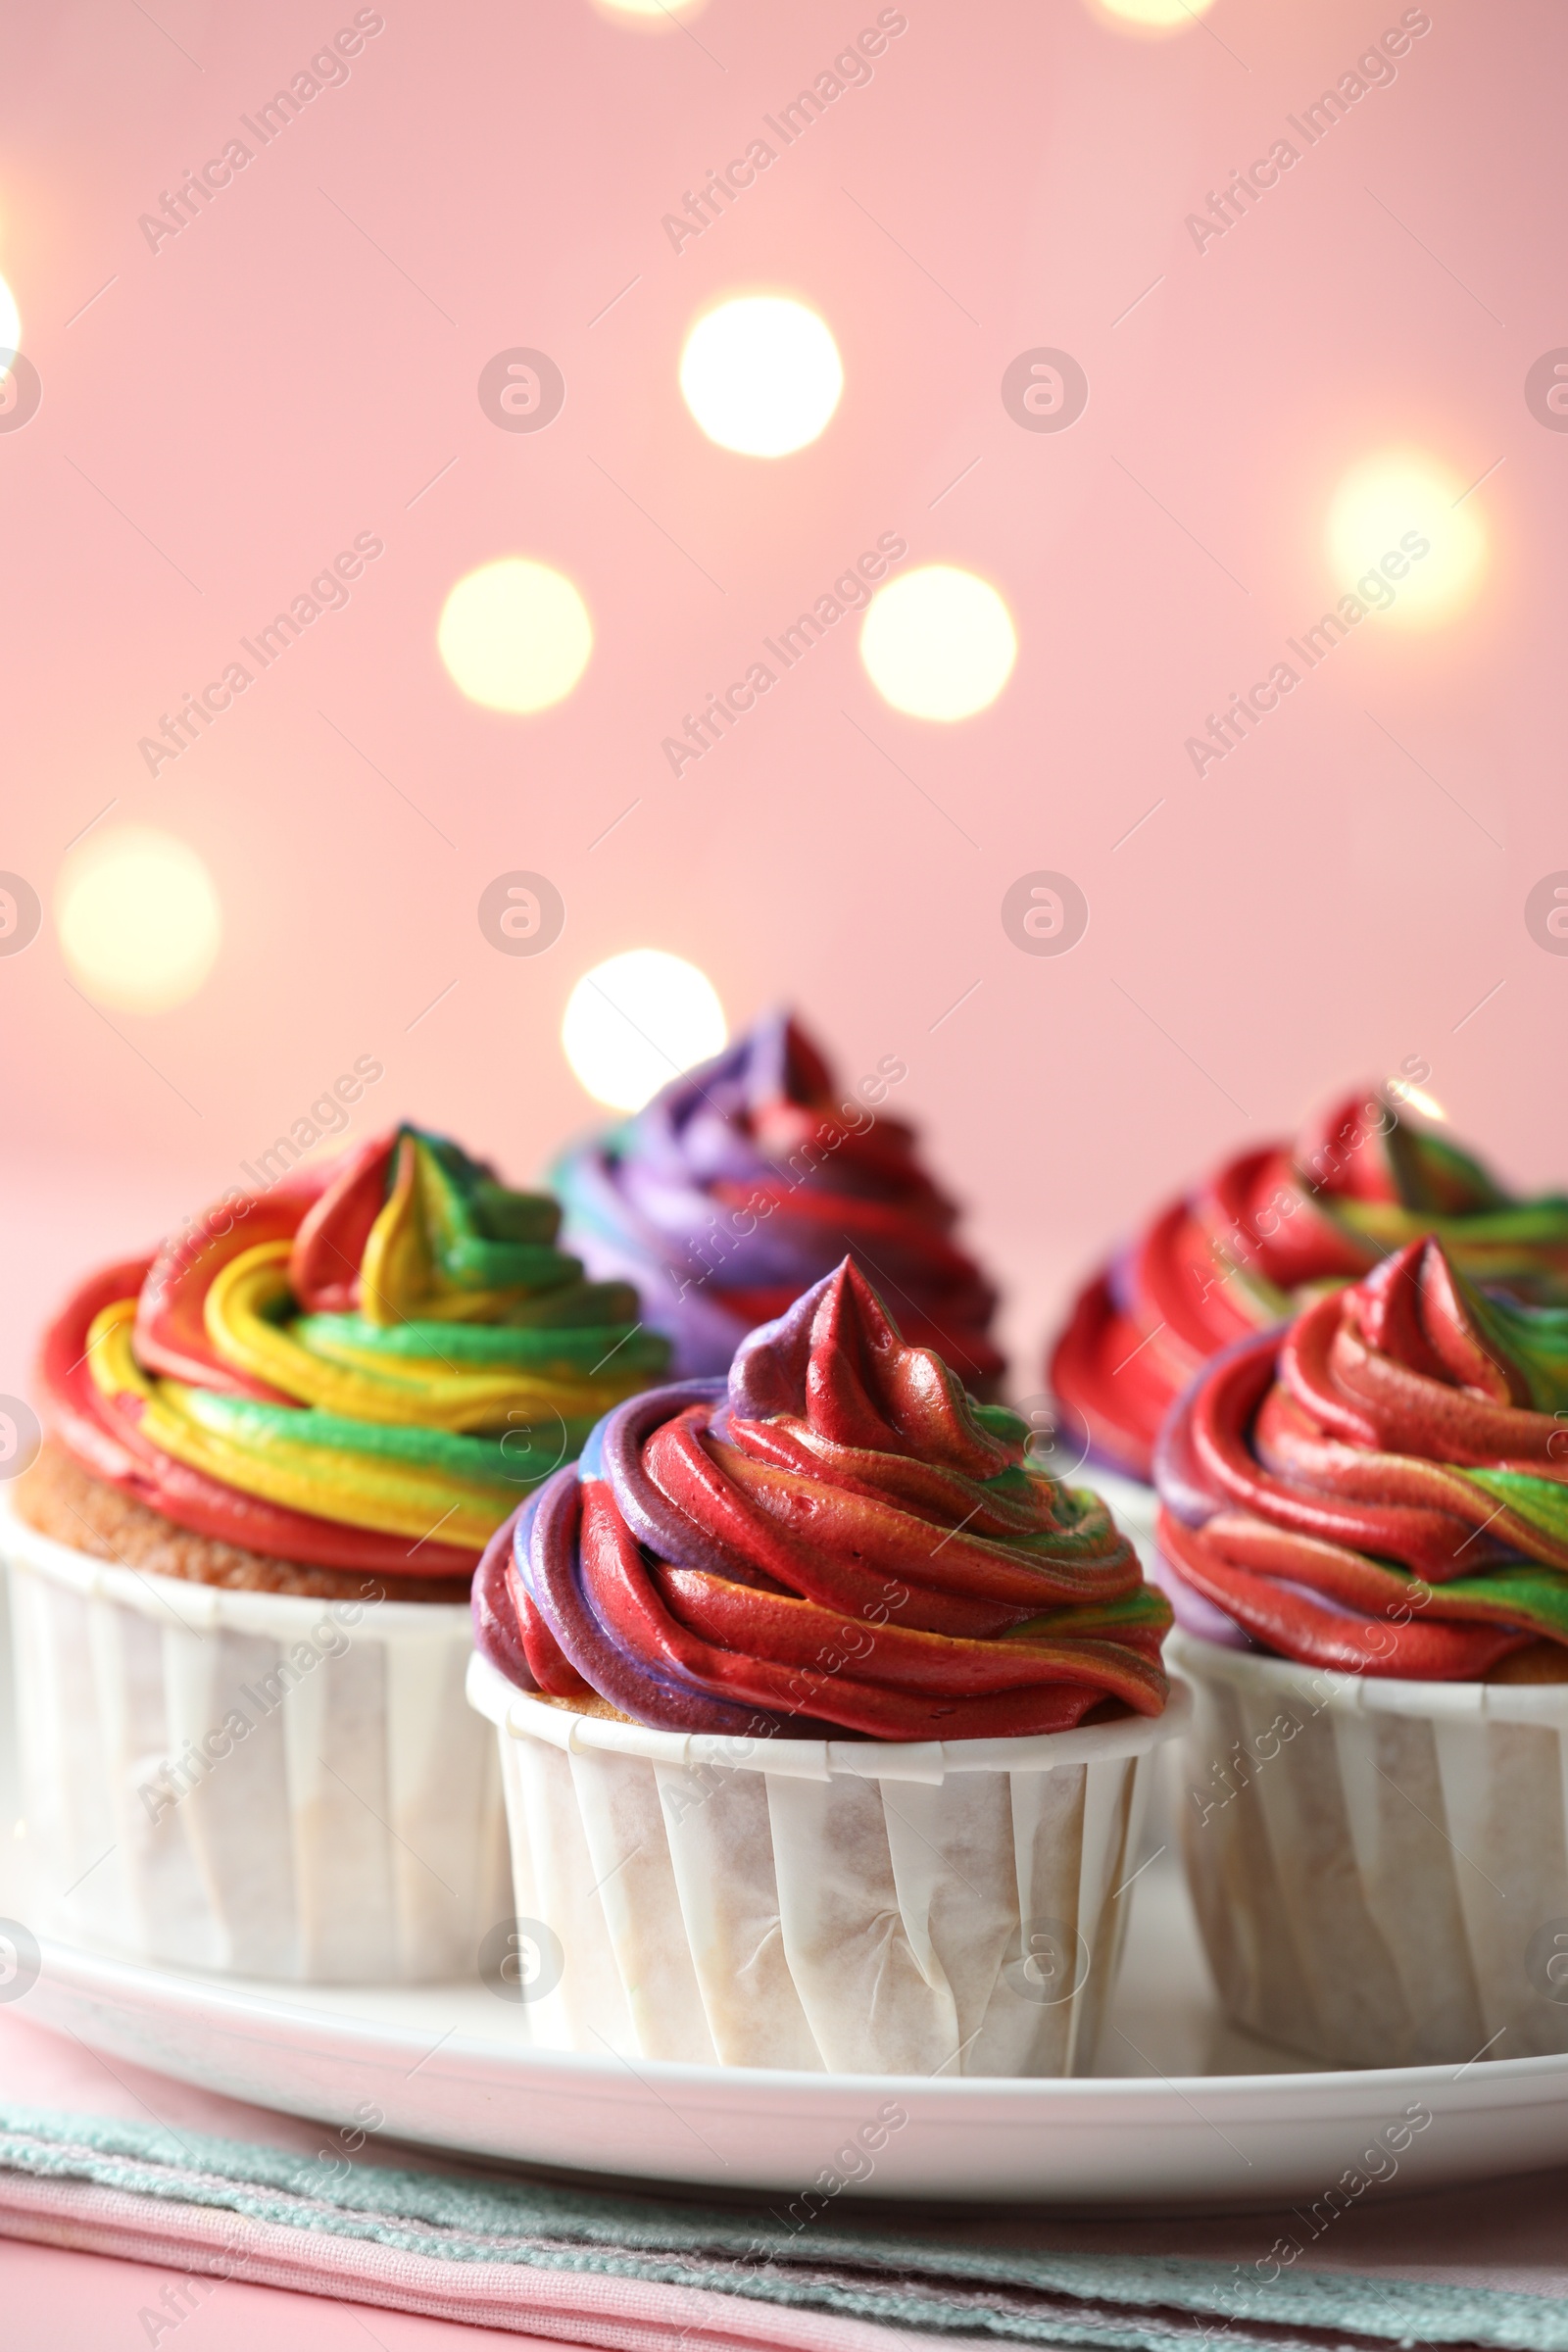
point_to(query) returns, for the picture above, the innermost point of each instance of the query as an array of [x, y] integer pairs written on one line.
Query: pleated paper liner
[[253, 1783], [1380, 1867], [843, 1905]]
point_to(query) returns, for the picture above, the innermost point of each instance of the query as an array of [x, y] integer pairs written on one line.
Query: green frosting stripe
[[349, 1339], [483, 1237], [475, 1460], [1526, 1595], [1541, 1501], [1145, 1605]]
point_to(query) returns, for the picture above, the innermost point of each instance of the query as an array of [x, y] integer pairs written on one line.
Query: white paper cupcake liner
[[251, 1783], [845, 1905], [1380, 1867]]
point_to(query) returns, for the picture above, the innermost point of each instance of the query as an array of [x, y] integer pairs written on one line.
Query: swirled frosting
[[837, 1538], [361, 1368], [1239, 1252], [746, 1180], [1381, 1485]]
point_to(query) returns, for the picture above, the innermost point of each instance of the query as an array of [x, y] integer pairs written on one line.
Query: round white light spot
[[1406, 539], [634, 1023], [1155, 16], [138, 917], [10, 325], [761, 374], [515, 635], [937, 643]]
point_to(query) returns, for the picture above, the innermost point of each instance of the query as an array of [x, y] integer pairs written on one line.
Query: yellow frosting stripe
[[479, 1360], [395, 1270], [396, 1498], [236, 1313], [430, 1257], [111, 1358], [244, 1315], [393, 1498], [448, 1398]]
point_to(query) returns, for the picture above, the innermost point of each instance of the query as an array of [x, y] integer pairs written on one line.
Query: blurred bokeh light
[[1154, 16], [761, 374], [1404, 519], [10, 325], [650, 15], [138, 918], [516, 635], [937, 643], [638, 1020]]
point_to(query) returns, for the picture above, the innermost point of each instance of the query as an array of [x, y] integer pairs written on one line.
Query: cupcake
[[240, 1566], [1235, 1255], [746, 1181], [825, 1719], [1364, 1526]]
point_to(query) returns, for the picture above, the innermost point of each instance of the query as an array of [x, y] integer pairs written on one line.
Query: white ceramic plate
[[1186, 2110], [1194, 2115]]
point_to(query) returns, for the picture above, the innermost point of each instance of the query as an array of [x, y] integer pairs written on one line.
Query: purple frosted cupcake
[[746, 1180]]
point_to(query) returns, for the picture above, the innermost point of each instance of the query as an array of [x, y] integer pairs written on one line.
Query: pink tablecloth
[[55, 2299], [134, 2209], [225, 2282]]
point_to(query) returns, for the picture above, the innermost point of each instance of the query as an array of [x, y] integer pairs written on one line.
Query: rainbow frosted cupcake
[[748, 1179], [1364, 1525], [1236, 1254], [242, 1563], [823, 1718]]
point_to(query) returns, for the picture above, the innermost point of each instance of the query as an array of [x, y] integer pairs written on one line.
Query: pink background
[[270, 383]]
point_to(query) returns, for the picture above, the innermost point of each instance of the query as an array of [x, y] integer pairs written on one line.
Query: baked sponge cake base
[[61, 1500]]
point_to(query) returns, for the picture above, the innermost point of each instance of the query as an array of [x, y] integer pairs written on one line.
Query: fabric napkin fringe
[[650, 2274]]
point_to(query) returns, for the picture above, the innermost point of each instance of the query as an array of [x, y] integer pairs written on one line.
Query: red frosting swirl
[[1236, 1254], [1381, 1486], [840, 1538]]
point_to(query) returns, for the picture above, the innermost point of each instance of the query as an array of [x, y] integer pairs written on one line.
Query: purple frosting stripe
[[768, 1378], [495, 1619], [1187, 1496], [1182, 1486], [769, 1373], [642, 1201], [616, 1451], [663, 1698]]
